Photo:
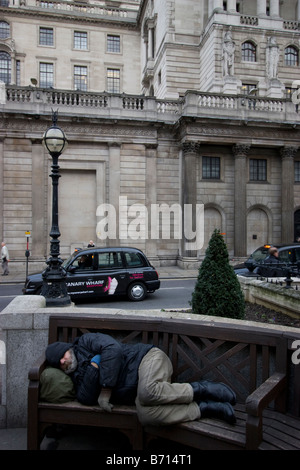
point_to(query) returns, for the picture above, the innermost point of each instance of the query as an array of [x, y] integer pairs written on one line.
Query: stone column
[[231, 6], [240, 152], [218, 5], [38, 243], [150, 53], [298, 11], [151, 198], [190, 151], [114, 186], [274, 8], [287, 193], [261, 7]]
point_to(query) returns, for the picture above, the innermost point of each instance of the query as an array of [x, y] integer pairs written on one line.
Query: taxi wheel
[[137, 291]]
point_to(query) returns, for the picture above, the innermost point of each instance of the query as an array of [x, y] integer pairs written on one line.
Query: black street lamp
[[54, 287]]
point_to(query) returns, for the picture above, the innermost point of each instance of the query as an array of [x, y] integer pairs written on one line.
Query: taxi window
[[297, 254], [260, 254], [84, 262], [285, 256], [133, 260], [109, 259]]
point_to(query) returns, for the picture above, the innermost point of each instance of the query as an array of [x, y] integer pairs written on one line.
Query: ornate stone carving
[[241, 150], [190, 147], [288, 152]]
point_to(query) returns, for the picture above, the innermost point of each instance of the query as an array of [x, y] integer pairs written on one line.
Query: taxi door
[[81, 276], [111, 277]]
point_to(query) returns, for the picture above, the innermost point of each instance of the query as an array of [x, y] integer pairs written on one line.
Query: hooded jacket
[[118, 368]]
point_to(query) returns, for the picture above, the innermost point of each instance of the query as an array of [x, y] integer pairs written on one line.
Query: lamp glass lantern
[[55, 141]]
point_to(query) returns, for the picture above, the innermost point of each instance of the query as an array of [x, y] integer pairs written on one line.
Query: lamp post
[[54, 287]]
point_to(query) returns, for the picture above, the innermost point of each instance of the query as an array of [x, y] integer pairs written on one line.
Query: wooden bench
[[254, 360]]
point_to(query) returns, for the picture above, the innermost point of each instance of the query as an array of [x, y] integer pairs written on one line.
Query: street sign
[[27, 234]]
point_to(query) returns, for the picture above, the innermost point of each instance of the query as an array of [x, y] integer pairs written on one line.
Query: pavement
[[71, 438]]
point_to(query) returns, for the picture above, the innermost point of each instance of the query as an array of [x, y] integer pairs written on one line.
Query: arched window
[[4, 30], [5, 68], [249, 51], [291, 56]]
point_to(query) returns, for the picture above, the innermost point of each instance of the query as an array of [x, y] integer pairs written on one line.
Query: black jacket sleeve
[[111, 356], [88, 390]]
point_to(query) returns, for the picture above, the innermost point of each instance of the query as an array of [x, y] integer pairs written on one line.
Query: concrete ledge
[[271, 295]]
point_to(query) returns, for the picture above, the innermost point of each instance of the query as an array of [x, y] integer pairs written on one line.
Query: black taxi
[[98, 272]]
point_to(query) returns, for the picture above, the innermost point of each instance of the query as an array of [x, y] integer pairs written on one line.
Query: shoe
[[213, 409], [206, 390]]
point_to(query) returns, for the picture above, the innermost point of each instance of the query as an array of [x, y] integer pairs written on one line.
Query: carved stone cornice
[[80, 130]]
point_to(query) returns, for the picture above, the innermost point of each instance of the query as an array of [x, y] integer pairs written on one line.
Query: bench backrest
[[240, 356]]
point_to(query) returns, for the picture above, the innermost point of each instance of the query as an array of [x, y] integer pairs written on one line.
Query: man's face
[[66, 360]]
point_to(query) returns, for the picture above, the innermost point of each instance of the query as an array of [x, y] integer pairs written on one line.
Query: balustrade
[[192, 103]]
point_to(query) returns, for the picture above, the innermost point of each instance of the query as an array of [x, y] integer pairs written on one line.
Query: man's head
[[61, 355], [273, 251]]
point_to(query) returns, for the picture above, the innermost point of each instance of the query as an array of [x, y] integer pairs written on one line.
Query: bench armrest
[[37, 368], [257, 402]]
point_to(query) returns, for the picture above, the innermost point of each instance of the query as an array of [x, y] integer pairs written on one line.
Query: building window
[[113, 43], [249, 51], [80, 78], [5, 67], [291, 56], [46, 37], [4, 30], [18, 72], [297, 171], [258, 169], [113, 80], [211, 168], [80, 40], [249, 88], [46, 75]]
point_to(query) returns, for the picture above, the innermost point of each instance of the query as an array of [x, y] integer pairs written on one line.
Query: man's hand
[[103, 400], [95, 361]]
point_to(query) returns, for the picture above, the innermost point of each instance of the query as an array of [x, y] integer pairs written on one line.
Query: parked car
[[288, 256], [98, 272]]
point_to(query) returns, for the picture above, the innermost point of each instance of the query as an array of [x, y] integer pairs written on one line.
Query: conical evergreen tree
[[217, 290]]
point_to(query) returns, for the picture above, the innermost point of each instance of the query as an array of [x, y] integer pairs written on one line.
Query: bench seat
[[280, 432], [123, 418]]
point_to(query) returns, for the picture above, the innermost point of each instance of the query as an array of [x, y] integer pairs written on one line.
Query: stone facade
[[186, 100]]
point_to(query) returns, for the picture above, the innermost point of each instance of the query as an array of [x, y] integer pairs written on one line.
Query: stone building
[[167, 105]]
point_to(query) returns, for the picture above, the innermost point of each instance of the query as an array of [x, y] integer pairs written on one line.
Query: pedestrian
[[91, 244], [4, 258], [108, 372]]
